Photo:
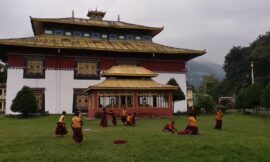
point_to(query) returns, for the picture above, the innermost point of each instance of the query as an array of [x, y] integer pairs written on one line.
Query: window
[[81, 101], [113, 37], [34, 68], [86, 35], [154, 100], [146, 38], [48, 32], [77, 34], [67, 33], [58, 32], [138, 38], [40, 98], [86, 70], [115, 100], [121, 37], [95, 35], [130, 37], [104, 36]]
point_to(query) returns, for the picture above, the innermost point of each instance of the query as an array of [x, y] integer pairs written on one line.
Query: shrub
[[24, 102], [205, 102], [98, 115]]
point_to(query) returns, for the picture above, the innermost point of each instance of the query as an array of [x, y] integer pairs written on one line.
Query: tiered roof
[[134, 83], [41, 40], [47, 41]]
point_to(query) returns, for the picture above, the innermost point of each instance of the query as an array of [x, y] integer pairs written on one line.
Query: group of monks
[[76, 125], [128, 119], [192, 127]]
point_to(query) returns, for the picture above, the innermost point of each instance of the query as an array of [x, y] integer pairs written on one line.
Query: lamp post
[[252, 74]]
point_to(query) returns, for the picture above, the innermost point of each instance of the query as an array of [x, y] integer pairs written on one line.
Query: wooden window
[[34, 68], [48, 32], [58, 32], [121, 37], [113, 37], [87, 70], [130, 37], [77, 34], [138, 38], [87, 35], [81, 101], [67, 33], [95, 35], [147, 38], [40, 98], [116, 99], [153, 100], [104, 36]]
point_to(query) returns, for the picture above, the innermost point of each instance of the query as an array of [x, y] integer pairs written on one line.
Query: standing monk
[[104, 120], [77, 128], [124, 115], [61, 125], [219, 115], [114, 120]]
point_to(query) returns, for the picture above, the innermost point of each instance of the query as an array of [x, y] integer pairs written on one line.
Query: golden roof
[[124, 70], [130, 84], [94, 23], [45, 41]]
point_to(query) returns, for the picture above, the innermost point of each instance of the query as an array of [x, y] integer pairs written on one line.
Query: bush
[[98, 115], [24, 102], [205, 102]]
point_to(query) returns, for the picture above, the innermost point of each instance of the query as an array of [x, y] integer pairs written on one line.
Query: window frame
[[91, 76], [33, 76]]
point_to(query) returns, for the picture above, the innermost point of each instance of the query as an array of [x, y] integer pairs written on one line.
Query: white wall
[[181, 80], [59, 86]]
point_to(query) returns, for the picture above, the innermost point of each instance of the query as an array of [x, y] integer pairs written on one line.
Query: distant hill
[[198, 69]]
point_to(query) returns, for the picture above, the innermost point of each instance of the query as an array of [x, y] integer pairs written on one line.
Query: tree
[[240, 100], [265, 98], [211, 86], [204, 102], [178, 94], [24, 102], [237, 69], [253, 96], [249, 97], [238, 60]]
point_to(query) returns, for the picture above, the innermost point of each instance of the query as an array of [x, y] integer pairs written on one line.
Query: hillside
[[198, 69]]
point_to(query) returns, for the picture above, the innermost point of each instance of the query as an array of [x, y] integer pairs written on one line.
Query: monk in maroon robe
[[104, 120], [114, 120]]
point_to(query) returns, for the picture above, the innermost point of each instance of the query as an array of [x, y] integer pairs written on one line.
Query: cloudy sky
[[214, 25]]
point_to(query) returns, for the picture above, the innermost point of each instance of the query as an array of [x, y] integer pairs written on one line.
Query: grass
[[243, 138]]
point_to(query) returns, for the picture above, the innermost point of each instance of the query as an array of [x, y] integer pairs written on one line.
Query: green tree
[[253, 96], [249, 97], [178, 94], [24, 102], [240, 102], [211, 86], [265, 98], [204, 102], [238, 60], [237, 70]]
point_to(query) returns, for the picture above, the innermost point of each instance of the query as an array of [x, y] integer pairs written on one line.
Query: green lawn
[[244, 138]]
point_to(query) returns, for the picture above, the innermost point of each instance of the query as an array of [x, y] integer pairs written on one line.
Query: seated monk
[[191, 128], [169, 127], [129, 119]]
